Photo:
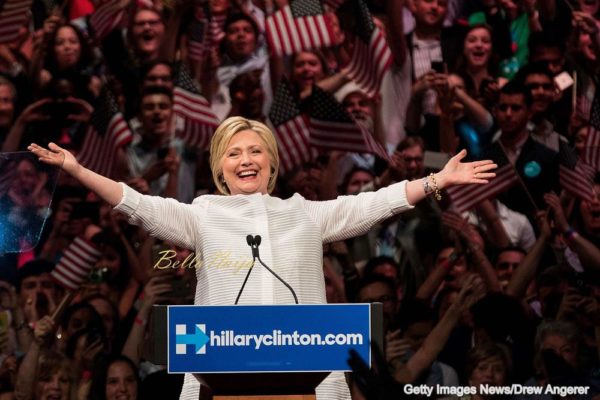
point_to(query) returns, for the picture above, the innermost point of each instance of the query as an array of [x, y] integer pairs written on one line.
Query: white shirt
[[517, 226], [293, 232]]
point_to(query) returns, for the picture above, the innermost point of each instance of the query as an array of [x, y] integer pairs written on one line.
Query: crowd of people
[[504, 290]]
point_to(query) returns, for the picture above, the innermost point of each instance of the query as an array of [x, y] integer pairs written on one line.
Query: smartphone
[[438, 66], [563, 81], [435, 160]]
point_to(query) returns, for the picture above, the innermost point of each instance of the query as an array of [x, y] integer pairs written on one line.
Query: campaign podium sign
[[281, 351], [267, 338]]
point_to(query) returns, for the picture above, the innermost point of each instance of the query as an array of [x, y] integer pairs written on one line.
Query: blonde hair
[[220, 140]]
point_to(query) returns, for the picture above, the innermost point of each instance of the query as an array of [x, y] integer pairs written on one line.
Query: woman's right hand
[[56, 155]]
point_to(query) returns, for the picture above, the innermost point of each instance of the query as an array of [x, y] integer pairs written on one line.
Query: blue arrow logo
[[198, 339]]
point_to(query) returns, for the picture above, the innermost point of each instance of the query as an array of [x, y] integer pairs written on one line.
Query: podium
[[263, 352]]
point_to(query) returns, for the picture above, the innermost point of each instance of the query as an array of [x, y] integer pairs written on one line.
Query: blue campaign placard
[[267, 338]]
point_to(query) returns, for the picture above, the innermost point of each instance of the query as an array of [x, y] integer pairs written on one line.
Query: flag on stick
[[74, 266], [372, 56], [290, 127], [188, 103], [108, 131], [576, 177], [13, 15], [465, 197], [107, 17], [299, 26], [592, 141], [332, 127]]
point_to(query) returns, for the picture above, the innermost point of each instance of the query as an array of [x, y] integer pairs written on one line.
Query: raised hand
[[458, 173], [55, 155], [44, 328], [34, 112], [560, 220], [83, 110]]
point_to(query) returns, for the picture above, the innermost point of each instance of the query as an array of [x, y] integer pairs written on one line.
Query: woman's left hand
[[457, 173]]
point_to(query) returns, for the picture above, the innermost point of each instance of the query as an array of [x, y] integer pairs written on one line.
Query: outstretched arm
[[349, 216], [108, 190], [163, 218]]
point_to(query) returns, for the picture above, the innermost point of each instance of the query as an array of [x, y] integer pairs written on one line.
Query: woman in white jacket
[[244, 162]]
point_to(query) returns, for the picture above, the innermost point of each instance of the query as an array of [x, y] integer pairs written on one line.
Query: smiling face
[[121, 383], [478, 47], [67, 48], [156, 111], [490, 371], [307, 70], [53, 387], [147, 32], [246, 164]]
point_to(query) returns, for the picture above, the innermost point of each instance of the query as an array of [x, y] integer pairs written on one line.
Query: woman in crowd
[[68, 54], [244, 163], [115, 378], [488, 364], [476, 65]]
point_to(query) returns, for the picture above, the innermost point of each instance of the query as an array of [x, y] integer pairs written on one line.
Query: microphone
[[254, 242]]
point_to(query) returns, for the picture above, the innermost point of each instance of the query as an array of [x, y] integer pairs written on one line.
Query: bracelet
[[426, 188], [436, 189], [571, 234], [139, 321]]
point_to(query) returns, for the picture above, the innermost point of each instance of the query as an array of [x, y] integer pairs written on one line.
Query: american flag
[[107, 17], [75, 265], [592, 142], [108, 131], [13, 15], [197, 41], [576, 177], [465, 197], [200, 121], [299, 26], [372, 56], [332, 127], [290, 127], [205, 32]]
